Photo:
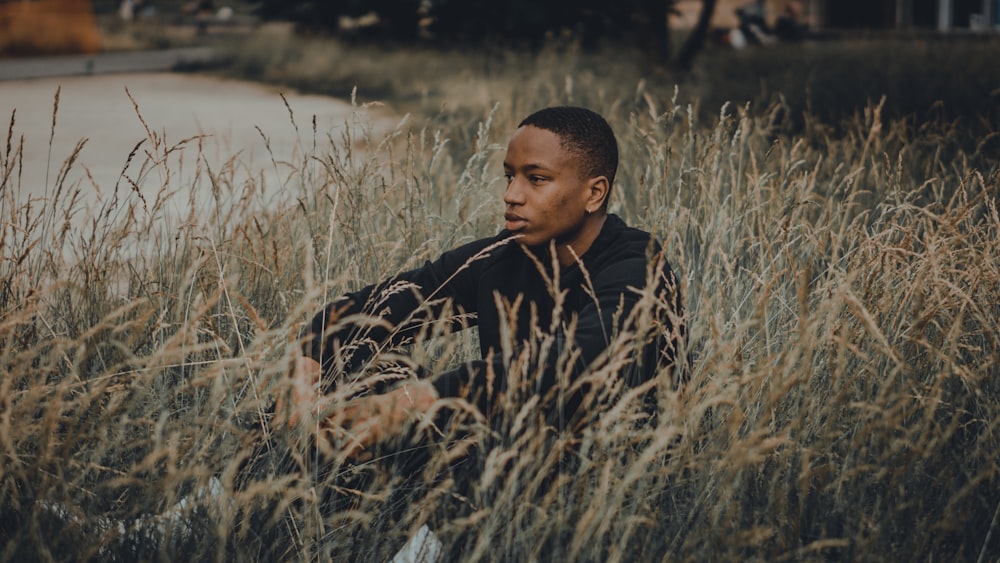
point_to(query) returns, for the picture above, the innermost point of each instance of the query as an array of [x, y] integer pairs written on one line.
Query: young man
[[549, 294]]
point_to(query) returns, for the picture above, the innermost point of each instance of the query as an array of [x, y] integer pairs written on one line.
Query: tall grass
[[842, 401]]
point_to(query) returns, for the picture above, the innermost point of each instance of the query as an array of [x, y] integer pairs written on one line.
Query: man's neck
[[569, 253]]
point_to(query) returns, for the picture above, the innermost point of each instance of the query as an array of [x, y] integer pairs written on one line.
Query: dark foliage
[[478, 21]]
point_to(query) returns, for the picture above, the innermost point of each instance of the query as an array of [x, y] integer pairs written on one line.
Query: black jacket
[[496, 284]]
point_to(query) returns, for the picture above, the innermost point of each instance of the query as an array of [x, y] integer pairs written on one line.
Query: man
[[550, 293]]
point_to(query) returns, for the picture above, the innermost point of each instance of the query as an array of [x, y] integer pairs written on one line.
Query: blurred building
[[931, 15], [939, 15]]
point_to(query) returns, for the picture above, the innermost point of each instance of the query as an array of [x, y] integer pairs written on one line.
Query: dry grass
[[843, 301]]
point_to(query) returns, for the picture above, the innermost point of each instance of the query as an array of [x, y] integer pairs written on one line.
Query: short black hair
[[583, 132]]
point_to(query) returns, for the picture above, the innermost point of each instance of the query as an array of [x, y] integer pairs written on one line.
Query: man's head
[[585, 134], [559, 166]]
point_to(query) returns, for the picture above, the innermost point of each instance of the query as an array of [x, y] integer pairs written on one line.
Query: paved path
[[229, 119], [102, 63]]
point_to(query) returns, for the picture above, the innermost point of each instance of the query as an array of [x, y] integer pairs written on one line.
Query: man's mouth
[[514, 222]]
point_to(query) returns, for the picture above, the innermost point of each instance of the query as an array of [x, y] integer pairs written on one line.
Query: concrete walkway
[[103, 63], [231, 126]]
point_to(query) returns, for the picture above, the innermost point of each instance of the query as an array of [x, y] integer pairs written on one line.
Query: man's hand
[[360, 423], [369, 420]]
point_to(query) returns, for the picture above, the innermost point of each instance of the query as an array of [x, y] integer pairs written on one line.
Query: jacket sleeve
[[345, 335]]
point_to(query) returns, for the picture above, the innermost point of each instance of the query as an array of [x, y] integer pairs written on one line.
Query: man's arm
[[398, 308]]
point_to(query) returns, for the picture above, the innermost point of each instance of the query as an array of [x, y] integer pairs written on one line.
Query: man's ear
[[600, 188]]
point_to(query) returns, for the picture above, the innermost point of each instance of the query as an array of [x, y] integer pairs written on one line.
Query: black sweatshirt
[[496, 284]]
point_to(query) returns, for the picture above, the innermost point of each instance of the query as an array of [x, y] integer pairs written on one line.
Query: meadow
[[840, 273]]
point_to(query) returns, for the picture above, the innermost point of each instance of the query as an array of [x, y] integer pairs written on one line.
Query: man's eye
[[508, 177], [537, 179]]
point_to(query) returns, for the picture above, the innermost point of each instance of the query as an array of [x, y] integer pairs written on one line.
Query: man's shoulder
[[625, 254], [625, 242]]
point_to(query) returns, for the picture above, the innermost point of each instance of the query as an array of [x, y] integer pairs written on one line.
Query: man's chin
[[533, 242]]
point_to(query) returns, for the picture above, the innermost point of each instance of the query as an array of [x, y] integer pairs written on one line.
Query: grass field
[[841, 279]]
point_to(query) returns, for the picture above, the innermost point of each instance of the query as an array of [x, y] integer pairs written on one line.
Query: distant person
[[560, 166], [753, 28], [126, 10], [790, 25]]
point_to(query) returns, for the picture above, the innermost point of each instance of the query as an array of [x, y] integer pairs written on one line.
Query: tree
[[696, 41]]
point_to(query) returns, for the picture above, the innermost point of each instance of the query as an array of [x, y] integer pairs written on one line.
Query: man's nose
[[514, 194]]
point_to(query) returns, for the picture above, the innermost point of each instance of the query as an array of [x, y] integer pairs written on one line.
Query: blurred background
[[823, 61], [824, 174], [717, 50], [34, 27]]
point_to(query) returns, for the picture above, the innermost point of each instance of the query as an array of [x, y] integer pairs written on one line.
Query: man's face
[[547, 195]]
